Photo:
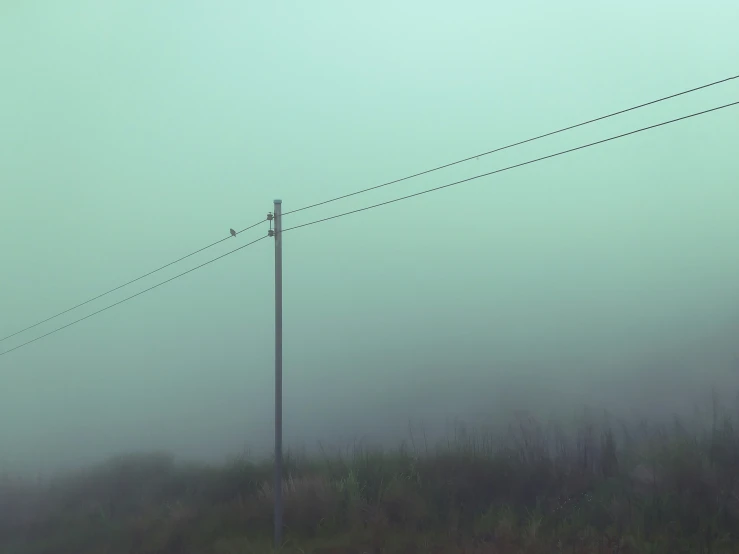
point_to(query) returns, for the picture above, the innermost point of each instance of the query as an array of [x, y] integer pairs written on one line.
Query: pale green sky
[[132, 133]]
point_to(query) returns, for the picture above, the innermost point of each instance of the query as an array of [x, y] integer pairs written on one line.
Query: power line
[[382, 204], [510, 146], [128, 283], [409, 196], [509, 167], [369, 189], [132, 296]]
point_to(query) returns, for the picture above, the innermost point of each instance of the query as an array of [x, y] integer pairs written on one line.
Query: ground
[[602, 488]]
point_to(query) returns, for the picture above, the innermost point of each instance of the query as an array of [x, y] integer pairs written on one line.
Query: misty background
[[132, 133]]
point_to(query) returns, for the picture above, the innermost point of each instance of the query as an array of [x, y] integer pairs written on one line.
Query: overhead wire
[[694, 89], [127, 283], [396, 199], [560, 153], [131, 297], [508, 168], [510, 145]]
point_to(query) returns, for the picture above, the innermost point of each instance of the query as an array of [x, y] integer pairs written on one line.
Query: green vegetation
[[602, 488]]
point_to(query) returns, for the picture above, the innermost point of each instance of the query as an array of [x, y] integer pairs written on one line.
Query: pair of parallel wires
[[373, 206]]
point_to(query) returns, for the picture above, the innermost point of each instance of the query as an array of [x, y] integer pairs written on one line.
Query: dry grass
[[537, 490]]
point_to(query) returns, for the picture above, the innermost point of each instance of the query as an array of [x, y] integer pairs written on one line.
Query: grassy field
[[601, 488]]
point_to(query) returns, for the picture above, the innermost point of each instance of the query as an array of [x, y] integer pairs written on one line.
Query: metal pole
[[278, 373]]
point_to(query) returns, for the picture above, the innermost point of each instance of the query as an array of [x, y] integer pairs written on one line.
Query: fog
[[134, 133]]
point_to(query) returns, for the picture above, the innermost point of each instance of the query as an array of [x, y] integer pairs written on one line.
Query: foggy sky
[[133, 133]]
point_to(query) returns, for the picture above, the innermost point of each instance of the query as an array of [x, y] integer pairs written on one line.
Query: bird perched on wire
[[233, 233]]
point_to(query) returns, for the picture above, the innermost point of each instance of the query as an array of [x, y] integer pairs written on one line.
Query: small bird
[[233, 233]]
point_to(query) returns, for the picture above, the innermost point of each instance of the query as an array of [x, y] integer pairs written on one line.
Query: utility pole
[[277, 233]]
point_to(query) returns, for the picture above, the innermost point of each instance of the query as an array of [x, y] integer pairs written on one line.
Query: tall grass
[[602, 487]]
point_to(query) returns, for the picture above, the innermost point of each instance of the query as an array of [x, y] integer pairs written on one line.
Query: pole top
[[278, 201]]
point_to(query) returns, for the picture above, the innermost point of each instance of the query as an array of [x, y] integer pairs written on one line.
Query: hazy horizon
[[133, 134]]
